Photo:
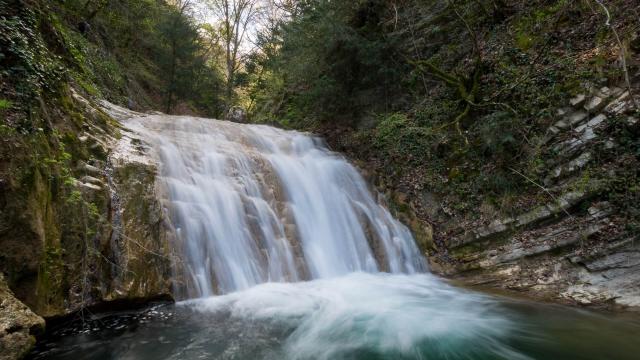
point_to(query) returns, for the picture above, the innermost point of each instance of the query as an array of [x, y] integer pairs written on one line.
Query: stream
[[358, 316], [286, 253]]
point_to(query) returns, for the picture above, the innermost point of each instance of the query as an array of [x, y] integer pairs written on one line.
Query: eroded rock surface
[[82, 228], [573, 248], [140, 233], [18, 325]]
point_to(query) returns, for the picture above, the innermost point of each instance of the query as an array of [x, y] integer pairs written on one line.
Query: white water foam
[[413, 316]]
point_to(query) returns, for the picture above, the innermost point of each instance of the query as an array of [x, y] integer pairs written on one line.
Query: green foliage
[[389, 127], [396, 135], [6, 130], [5, 104], [144, 53], [463, 90], [498, 134], [27, 69], [74, 198], [332, 63]]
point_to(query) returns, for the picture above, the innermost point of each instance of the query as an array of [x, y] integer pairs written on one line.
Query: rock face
[[18, 325], [82, 227], [140, 233], [571, 248]]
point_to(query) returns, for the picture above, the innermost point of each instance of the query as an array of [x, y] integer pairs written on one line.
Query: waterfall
[[253, 204], [307, 265]]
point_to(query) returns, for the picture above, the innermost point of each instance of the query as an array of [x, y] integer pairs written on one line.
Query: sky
[[203, 13]]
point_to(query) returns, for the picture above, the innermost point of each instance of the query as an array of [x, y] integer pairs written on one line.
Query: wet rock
[[70, 246], [141, 233], [585, 296], [18, 325], [237, 114]]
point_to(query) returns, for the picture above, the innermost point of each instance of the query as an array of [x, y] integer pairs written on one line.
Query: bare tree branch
[[237, 17], [623, 53]]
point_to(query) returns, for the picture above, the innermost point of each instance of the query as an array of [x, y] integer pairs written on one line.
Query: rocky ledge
[[18, 325], [574, 247]]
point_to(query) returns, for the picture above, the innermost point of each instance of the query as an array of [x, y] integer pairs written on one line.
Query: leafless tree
[[623, 53], [236, 17]]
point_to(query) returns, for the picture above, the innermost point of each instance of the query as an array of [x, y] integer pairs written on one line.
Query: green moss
[[74, 198], [525, 41], [50, 280], [90, 88]]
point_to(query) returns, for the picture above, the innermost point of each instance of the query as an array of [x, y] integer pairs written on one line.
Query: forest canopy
[[464, 88]]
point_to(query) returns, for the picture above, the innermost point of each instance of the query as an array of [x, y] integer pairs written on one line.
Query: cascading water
[[258, 211], [254, 204]]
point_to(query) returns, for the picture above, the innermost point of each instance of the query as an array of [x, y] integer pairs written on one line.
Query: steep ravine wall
[[574, 247]]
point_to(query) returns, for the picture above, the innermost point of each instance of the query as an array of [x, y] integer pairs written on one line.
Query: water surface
[[358, 316]]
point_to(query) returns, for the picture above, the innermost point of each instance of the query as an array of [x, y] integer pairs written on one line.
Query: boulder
[[18, 325], [237, 114]]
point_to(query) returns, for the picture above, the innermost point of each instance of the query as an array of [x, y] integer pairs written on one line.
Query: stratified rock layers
[[571, 249]]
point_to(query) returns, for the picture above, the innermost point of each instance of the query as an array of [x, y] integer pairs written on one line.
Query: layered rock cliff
[[574, 246], [572, 239]]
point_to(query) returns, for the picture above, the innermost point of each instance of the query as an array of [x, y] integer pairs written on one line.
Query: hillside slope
[[506, 129]]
